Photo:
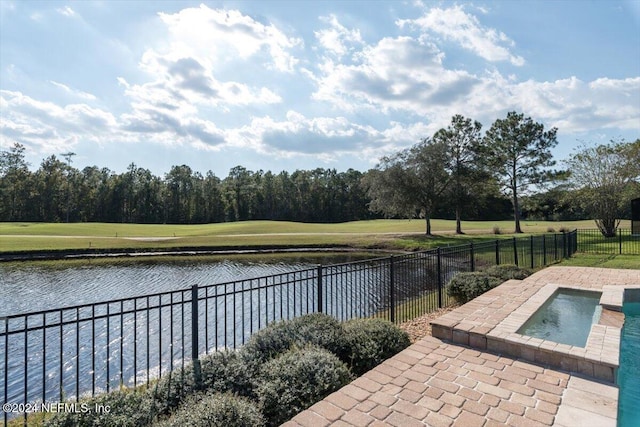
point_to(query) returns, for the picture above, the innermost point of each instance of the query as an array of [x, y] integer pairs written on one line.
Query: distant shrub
[[551, 230], [508, 272], [215, 409], [467, 286], [126, 409], [296, 380], [312, 329], [496, 230], [564, 229], [371, 341]]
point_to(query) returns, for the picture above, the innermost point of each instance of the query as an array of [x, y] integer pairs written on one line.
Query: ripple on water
[[27, 288]]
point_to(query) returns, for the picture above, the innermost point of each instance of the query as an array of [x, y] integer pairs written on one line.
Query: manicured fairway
[[376, 233]]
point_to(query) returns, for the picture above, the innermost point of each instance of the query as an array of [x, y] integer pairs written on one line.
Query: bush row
[[466, 286], [283, 369]]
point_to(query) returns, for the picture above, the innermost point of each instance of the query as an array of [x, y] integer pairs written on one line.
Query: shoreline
[[188, 251]]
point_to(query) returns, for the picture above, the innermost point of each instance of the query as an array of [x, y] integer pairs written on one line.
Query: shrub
[[126, 408], [216, 409], [266, 344], [496, 230], [508, 271], [226, 371], [564, 229], [466, 286], [296, 380], [221, 371], [312, 329], [320, 330], [372, 341], [170, 390], [551, 230]]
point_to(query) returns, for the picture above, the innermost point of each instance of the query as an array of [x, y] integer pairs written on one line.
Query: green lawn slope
[[392, 234]]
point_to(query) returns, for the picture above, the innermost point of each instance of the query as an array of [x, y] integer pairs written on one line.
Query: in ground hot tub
[[560, 326], [565, 318]]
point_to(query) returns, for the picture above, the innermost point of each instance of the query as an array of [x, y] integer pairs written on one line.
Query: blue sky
[[285, 85]]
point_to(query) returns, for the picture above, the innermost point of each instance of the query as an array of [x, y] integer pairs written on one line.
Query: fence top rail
[[312, 270], [98, 303], [596, 230]]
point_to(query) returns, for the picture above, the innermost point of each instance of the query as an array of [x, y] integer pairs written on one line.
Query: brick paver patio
[[437, 382]]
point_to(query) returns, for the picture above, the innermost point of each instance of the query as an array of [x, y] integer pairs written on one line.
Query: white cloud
[[329, 137], [212, 35], [400, 73], [75, 92], [183, 81], [337, 39], [66, 11], [406, 75], [465, 29], [49, 126]]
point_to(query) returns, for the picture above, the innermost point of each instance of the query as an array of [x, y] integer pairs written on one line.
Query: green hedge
[[371, 341], [296, 380], [508, 272], [311, 329], [216, 409], [466, 286], [221, 371], [126, 409]]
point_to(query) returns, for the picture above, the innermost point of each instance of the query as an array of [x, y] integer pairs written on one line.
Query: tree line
[[183, 196], [457, 173]]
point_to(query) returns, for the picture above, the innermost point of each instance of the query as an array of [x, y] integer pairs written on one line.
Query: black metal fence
[[60, 354], [623, 243]]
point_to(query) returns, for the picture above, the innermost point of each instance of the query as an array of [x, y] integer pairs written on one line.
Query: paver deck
[[438, 382]]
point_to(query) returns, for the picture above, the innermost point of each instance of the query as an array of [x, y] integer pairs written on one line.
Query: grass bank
[[603, 260], [386, 234]]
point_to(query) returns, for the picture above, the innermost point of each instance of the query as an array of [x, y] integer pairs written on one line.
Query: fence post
[[319, 288], [564, 245], [392, 302], [439, 271], [197, 372], [531, 249], [515, 252], [473, 258], [555, 247], [620, 240], [497, 252], [544, 249]]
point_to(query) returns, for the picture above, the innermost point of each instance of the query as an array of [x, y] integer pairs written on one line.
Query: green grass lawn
[[392, 234], [603, 260]]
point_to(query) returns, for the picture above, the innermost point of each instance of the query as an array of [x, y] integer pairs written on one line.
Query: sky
[[286, 85]]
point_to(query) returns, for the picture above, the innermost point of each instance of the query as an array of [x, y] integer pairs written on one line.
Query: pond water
[[28, 287]]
